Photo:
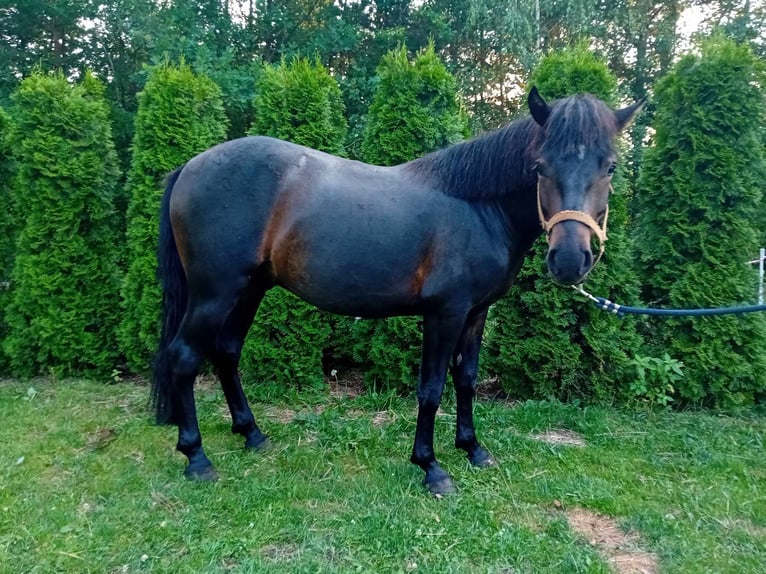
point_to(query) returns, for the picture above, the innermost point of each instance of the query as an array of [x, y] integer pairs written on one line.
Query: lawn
[[89, 484]]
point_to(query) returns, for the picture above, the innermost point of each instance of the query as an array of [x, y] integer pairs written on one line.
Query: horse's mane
[[496, 164]]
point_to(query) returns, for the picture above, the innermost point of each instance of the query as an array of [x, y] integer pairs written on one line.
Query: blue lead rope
[[621, 310]]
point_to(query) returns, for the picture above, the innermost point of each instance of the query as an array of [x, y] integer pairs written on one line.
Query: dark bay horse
[[442, 236]]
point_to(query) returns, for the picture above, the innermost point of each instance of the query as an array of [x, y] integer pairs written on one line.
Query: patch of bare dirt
[[381, 418], [622, 550], [491, 389], [346, 383], [560, 437], [280, 414], [280, 552]]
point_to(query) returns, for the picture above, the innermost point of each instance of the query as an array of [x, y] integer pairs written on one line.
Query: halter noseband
[[579, 216]]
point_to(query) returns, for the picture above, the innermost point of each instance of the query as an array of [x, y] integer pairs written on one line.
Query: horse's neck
[[496, 169]]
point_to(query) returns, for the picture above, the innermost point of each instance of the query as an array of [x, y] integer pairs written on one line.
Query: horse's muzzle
[[569, 265]]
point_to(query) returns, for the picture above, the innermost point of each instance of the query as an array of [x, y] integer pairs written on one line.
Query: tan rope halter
[[580, 216]]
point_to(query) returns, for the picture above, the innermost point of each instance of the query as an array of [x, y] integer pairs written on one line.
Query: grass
[[89, 484]]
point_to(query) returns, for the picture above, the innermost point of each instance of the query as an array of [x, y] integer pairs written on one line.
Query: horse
[[440, 237]]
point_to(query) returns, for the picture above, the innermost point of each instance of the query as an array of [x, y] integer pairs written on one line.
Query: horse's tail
[[174, 300]]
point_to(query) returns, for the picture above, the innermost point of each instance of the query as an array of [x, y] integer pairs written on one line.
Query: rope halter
[[579, 216]]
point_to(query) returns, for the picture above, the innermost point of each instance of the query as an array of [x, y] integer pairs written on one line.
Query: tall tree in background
[[700, 202], [48, 34], [299, 102], [180, 114], [542, 339], [415, 110], [65, 281]]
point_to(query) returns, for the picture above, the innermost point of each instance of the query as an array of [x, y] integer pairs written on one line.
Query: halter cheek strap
[[579, 216]]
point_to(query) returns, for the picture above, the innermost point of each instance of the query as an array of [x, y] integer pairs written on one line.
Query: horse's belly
[[357, 291]]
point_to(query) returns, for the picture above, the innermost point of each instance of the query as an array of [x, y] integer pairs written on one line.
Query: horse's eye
[[611, 169]]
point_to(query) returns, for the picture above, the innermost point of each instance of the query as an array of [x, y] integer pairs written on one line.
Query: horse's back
[[345, 236]]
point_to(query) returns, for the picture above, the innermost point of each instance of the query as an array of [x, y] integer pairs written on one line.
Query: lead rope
[[621, 310], [580, 216]]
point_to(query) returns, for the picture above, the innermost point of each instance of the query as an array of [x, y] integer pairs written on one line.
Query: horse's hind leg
[[226, 361], [191, 345], [465, 365]]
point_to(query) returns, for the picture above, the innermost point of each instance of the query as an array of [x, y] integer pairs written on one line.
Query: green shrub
[[655, 379], [298, 102], [700, 208], [8, 228], [415, 109], [180, 114], [63, 303], [542, 339]]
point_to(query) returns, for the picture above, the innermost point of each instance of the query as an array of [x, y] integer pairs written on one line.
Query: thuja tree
[[8, 228], [543, 340], [414, 111], [179, 115], [700, 206], [61, 315], [300, 102]]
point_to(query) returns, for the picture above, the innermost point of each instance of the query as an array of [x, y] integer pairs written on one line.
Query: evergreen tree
[[180, 114], [65, 283], [700, 207], [8, 228], [415, 110], [300, 102], [543, 340]]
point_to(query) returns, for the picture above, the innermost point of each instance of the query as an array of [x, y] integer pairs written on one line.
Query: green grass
[[89, 484]]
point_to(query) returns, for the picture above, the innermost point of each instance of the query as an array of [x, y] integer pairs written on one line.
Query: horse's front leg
[[465, 368], [440, 333]]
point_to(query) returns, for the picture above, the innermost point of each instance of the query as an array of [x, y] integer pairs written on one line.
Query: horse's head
[[574, 163]]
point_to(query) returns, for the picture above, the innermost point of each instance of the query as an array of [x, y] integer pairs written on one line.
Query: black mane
[[500, 162]]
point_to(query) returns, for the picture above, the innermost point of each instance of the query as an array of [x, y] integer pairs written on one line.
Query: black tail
[[174, 300]]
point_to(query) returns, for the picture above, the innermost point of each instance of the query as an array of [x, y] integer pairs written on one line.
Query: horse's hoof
[[260, 443], [481, 458], [443, 487], [205, 474]]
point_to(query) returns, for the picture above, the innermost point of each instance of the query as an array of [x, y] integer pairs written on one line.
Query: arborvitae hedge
[[179, 115], [415, 110], [64, 299], [700, 208], [300, 102], [543, 340], [8, 228]]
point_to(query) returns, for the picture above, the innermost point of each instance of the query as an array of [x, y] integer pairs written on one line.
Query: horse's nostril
[[587, 261]]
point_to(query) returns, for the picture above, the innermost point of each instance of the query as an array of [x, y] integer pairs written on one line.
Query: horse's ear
[[537, 106], [625, 115]]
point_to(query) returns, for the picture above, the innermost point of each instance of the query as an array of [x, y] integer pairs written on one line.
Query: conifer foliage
[[300, 102], [415, 110], [180, 114], [64, 283], [8, 227], [543, 340], [700, 206]]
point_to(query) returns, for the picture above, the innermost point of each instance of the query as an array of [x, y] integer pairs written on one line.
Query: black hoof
[[443, 487], [259, 443], [481, 458], [204, 474]]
